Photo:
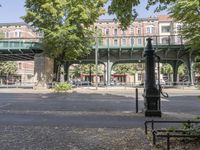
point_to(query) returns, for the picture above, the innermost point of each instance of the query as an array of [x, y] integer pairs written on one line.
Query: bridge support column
[[108, 66], [189, 64], [43, 71], [175, 66]]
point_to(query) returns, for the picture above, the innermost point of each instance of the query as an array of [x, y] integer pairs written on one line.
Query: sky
[[12, 10]]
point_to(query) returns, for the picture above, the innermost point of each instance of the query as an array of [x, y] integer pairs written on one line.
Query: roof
[[164, 18], [137, 19], [14, 24]]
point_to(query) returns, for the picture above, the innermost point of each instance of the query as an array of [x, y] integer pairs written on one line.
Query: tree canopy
[[8, 67], [66, 25], [166, 69], [125, 9], [78, 69], [125, 69], [188, 13]]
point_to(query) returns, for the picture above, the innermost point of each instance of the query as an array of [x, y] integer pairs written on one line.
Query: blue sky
[[12, 10]]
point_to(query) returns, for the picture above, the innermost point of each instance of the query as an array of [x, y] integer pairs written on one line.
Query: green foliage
[[77, 70], [60, 87], [196, 66], [125, 9], [125, 68], [9, 67], [66, 25], [191, 128], [166, 69], [198, 86], [182, 70], [188, 13]]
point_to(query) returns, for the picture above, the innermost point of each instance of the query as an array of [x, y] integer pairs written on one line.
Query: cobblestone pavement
[[69, 138]]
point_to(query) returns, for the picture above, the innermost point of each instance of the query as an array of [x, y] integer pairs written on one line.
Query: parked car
[[80, 83]]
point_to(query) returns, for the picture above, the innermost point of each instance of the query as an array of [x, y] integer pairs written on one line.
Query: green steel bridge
[[19, 49], [110, 50], [120, 48]]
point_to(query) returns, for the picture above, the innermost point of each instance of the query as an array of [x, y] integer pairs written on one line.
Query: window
[[132, 30], [139, 31], [132, 41], [20, 66], [6, 34], [165, 29], [115, 42], [123, 42], [139, 77], [139, 41], [153, 29], [123, 33], [107, 31], [18, 33], [107, 41], [115, 31], [148, 30], [165, 40]]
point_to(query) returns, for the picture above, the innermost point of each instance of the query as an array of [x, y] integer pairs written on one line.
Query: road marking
[[164, 100], [1, 106]]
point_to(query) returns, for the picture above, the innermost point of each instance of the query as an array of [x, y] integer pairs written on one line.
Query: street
[[82, 115]]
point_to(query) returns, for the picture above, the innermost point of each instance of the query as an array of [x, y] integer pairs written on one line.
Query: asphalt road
[[90, 108], [83, 119]]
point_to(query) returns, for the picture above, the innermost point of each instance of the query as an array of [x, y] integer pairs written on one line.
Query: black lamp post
[[151, 93]]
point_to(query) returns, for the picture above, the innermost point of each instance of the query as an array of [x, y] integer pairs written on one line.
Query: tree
[[188, 13], [125, 9], [167, 69], [182, 70], [79, 69], [7, 68], [124, 68], [66, 26]]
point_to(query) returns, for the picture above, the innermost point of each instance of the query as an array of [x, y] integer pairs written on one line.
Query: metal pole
[[96, 59], [136, 97], [168, 144]]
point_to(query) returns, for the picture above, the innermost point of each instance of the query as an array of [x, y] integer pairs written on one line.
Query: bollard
[[136, 98]]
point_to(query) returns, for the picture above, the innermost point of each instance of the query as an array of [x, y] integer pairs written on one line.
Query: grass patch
[[62, 87]]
